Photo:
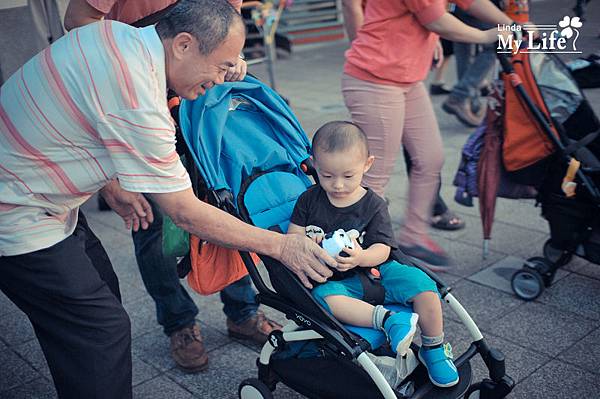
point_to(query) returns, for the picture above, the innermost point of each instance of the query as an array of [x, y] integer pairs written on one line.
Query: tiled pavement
[[551, 344]]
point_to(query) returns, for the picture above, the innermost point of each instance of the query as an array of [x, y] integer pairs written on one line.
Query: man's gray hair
[[209, 21]]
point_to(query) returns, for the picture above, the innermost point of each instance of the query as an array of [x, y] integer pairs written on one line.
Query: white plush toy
[[334, 242]]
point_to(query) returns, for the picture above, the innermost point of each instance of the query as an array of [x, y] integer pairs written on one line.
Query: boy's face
[[341, 172]]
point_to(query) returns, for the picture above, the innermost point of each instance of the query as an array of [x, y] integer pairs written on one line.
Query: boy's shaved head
[[339, 136]]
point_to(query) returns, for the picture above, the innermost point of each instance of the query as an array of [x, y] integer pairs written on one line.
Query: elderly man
[[175, 309], [90, 108]]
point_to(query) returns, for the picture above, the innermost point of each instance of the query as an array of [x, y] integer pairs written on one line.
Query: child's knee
[[430, 299]]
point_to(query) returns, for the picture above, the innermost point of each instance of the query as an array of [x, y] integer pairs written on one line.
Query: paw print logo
[[568, 25]]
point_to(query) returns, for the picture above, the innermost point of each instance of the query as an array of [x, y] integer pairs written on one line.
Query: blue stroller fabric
[[271, 129], [236, 132]]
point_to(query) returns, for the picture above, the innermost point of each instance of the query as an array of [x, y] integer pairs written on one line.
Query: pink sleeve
[[464, 4], [104, 6], [426, 11]]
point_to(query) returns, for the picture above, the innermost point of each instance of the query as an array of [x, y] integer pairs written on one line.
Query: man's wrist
[[273, 244]]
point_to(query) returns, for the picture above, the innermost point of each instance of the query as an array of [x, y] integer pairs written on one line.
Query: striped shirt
[[88, 109]]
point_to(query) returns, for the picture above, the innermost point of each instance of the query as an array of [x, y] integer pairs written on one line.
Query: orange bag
[[214, 267], [525, 143]]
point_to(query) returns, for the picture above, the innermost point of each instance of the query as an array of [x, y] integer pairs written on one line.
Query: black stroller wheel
[[473, 392], [253, 388], [554, 254], [527, 284]]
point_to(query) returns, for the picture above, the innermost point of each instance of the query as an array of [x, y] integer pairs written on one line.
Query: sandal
[[448, 220]]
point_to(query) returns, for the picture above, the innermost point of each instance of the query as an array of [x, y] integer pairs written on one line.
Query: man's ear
[[182, 44], [369, 163]]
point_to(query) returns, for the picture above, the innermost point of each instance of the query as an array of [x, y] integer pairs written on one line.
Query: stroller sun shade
[[238, 132], [239, 124], [550, 88]]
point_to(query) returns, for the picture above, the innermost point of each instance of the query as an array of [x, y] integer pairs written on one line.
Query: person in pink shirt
[[175, 309], [391, 54]]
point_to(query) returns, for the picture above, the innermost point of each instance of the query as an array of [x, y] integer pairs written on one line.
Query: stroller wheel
[[253, 388], [474, 392], [527, 284], [553, 254]]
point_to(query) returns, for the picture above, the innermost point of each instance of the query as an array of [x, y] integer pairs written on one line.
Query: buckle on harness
[[373, 291]]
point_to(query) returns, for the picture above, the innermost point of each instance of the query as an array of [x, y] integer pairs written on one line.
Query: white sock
[[380, 315]]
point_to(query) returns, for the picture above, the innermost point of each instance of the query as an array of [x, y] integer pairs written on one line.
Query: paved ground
[[551, 344]]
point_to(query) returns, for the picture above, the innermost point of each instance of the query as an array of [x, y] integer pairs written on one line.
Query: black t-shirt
[[369, 217]]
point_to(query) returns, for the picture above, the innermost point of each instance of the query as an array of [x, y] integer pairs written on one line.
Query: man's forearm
[[486, 11], [214, 225]]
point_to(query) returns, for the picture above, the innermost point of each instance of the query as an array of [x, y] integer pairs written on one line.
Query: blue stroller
[[252, 160]]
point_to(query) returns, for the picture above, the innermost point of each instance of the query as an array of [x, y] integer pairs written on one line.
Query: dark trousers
[[71, 295]]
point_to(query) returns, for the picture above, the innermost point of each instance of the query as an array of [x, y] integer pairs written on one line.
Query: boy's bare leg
[[429, 308], [351, 310]]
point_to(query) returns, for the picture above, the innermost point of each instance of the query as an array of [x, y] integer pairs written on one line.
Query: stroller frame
[[539, 272], [310, 321], [497, 386]]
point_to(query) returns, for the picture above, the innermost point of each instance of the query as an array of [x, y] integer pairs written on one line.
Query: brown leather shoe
[[256, 329], [187, 349], [462, 109]]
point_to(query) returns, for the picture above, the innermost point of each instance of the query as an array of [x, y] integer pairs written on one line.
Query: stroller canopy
[[239, 131]]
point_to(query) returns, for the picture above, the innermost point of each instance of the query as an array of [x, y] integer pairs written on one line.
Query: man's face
[[190, 73]]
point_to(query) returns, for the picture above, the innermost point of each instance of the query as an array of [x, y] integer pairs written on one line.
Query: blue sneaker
[[442, 371], [400, 329]]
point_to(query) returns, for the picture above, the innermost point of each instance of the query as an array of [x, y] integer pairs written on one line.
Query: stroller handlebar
[[505, 63]]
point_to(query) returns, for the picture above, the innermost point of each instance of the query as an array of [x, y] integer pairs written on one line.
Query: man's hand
[[303, 257], [132, 207], [354, 259], [237, 72]]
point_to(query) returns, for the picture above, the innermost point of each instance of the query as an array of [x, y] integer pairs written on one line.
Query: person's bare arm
[[486, 11], [451, 28], [353, 17], [298, 253], [80, 13]]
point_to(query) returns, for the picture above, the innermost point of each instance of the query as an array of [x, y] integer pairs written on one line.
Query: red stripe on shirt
[[143, 127], [133, 101], [52, 169]]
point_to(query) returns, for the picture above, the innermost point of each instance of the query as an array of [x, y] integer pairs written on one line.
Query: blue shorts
[[402, 283]]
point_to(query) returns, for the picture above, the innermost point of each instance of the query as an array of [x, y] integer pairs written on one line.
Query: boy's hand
[[353, 259]]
